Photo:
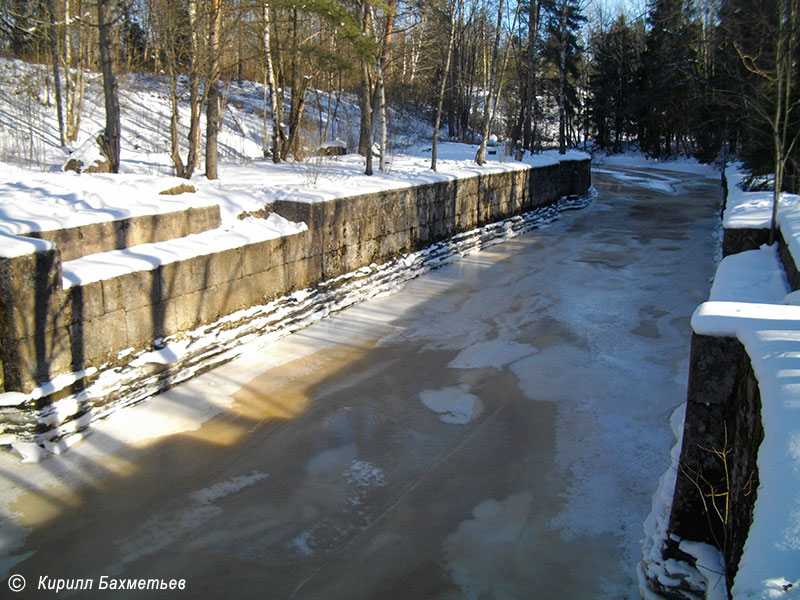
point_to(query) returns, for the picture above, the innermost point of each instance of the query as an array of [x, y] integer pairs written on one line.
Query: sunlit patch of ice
[[651, 181], [228, 487], [494, 353], [454, 404]]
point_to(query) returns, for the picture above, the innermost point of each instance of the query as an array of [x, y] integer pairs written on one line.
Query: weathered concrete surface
[[721, 436], [494, 430], [74, 242], [87, 327]]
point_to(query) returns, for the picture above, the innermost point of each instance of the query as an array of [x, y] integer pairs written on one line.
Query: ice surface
[[471, 551], [454, 404], [493, 353], [501, 502]]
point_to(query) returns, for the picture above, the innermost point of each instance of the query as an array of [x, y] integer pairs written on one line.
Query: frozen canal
[[494, 430]]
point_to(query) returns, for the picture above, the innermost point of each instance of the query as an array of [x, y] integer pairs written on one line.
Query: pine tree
[[668, 77], [564, 19], [617, 55]]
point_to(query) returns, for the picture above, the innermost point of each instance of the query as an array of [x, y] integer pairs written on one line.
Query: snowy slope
[[36, 195]]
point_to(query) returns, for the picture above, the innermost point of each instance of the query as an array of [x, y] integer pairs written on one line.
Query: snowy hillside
[[29, 136], [36, 195]]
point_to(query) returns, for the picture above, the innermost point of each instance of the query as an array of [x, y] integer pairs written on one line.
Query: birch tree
[[495, 76], [212, 84], [773, 101], [453, 9]]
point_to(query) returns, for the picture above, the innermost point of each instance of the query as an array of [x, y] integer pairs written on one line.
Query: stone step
[[96, 238]]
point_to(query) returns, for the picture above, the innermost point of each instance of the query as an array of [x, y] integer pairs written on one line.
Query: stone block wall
[[739, 240], [74, 242], [721, 436], [348, 233], [723, 415], [46, 331]]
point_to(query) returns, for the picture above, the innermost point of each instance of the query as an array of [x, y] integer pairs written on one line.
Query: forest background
[[707, 78]]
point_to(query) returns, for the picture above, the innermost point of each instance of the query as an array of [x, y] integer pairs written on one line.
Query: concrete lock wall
[[723, 415], [46, 331], [721, 436]]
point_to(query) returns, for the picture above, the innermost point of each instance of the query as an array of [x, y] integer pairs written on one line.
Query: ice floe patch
[[226, 488], [473, 555], [302, 544], [493, 353], [363, 474], [454, 404]]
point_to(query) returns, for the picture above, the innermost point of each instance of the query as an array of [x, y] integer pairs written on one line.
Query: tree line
[[708, 78], [711, 79]]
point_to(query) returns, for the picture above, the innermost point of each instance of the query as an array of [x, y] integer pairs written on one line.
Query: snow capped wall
[[731, 526], [117, 326]]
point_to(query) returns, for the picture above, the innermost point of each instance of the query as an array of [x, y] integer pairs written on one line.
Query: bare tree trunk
[[443, 85], [562, 81], [277, 115], [324, 134], [383, 59], [533, 37], [339, 92], [785, 55], [495, 84], [277, 70], [110, 92], [366, 121], [194, 160], [51, 13], [365, 137], [300, 83], [212, 83], [74, 77], [239, 59], [296, 113], [174, 121]]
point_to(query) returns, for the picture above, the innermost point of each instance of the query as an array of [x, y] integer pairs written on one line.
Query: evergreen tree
[[564, 19], [617, 58], [668, 77], [761, 66]]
